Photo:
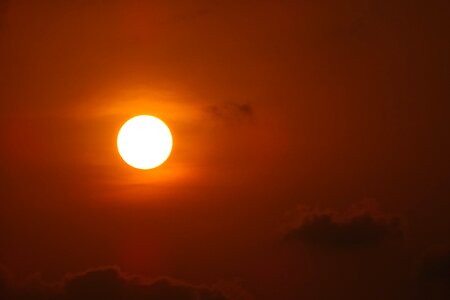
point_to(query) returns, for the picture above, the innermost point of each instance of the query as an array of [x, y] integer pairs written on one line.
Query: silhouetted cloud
[[436, 265], [110, 283], [230, 110], [434, 274], [327, 230]]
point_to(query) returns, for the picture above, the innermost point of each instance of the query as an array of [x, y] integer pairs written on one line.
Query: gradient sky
[[310, 160]]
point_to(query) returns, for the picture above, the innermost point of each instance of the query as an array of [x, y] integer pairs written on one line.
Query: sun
[[144, 142]]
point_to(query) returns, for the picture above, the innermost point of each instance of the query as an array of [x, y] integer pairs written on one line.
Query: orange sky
[[281, 112]]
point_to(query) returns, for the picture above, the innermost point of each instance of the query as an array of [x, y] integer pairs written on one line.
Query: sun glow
[[144, 142]]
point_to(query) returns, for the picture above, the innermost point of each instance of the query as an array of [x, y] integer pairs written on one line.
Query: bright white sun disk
[[144, 142]]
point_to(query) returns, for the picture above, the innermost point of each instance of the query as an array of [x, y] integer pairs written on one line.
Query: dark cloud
[[110, 283], [434, 274], [436, 265], [327, 230], [231, 111]]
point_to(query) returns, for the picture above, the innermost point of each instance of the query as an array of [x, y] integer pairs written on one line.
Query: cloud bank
[[109, 283], [330, 231]]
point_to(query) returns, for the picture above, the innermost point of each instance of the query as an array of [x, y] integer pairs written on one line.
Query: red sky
[[310, 157]]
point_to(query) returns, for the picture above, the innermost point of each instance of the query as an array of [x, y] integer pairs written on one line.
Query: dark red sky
[[310, 160]]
